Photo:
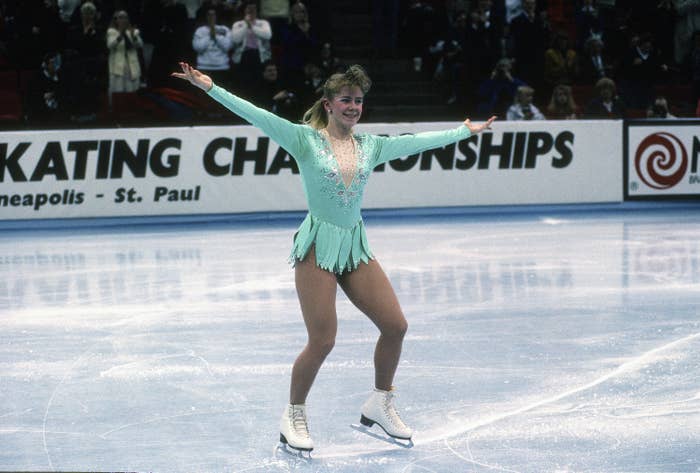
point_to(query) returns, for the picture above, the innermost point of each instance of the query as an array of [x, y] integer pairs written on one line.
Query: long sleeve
[[112, 38], [201, 39], [238, 32], [286, 134], [388, 148], [262, 29], [224, 41]]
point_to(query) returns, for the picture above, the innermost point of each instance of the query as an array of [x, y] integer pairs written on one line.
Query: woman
[[330, 247], [251, 44], [123, 42], [607, 104], [212, 42], [300, 42], [562, 105]]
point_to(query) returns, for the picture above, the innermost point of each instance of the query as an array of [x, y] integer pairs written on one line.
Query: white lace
[[299, 423], [391, 412]]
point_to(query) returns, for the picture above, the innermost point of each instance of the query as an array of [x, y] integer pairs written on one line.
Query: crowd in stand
[[576, 58], [73, 61]]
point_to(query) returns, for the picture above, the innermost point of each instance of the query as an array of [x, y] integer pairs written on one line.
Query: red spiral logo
[[661, 160]]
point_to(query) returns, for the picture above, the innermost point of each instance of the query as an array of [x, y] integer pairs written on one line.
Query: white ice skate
[[379, 409], [294, 429]]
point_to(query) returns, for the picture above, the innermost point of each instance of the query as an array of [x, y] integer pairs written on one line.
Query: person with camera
[[496, 94], [659, 109]]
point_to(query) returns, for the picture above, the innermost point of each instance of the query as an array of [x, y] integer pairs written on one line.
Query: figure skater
[[330, 247]]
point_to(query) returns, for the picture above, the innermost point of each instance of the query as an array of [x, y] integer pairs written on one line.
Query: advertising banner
[[237, 169], [661, 159]]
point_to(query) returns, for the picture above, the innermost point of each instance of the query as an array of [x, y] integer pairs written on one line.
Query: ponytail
[[316, 116]]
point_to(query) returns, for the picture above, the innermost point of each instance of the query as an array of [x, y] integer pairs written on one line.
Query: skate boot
[[294, 429], [379, 409]]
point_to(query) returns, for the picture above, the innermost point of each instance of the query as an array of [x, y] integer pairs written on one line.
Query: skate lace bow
[[299, 422]]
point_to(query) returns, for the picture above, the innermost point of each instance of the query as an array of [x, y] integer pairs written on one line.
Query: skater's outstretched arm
[[398, 146], [286, 134]]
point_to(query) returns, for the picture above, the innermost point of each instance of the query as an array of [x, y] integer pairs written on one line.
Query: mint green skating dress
[[334, 223]]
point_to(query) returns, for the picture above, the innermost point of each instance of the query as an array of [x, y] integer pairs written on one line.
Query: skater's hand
[[479, 128], [193, 76]]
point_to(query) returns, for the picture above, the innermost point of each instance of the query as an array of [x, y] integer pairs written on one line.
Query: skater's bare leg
[[316, 289], [370, 290]]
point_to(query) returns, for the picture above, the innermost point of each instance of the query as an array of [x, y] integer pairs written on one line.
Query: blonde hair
[[355, 76], [554, 106], [523, 91]]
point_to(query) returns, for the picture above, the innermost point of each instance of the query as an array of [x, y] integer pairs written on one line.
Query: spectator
[[607, 104], [328, 61], [588, 23], [659, 109], [40, 31], [47, 98], [277, 13], [448, 52], [497, 93], [594, 64], [225, 11], [562, 105], [251, 45], [642, 70], [483, 40], [687, 23], [212, 43], [167, 30], [529, 36], [86, 60], [123, 42], [300, 42], [419, 31], [560, 62], [66, 8], [313, 83], [523, 108], [274, 94]]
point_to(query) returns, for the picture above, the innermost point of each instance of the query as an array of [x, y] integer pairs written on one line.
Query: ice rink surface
[[538, 342]]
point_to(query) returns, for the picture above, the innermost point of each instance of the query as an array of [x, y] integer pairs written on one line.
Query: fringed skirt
[[338, 249]]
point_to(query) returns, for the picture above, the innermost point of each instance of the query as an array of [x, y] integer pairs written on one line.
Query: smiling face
[[345, 108]]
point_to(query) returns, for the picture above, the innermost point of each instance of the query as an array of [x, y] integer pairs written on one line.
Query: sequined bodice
[[340, 173], [345, 154]]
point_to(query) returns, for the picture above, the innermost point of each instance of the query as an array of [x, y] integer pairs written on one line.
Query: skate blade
[[407, 443], [292, 453]]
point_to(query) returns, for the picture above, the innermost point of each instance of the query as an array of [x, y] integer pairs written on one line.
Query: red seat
[[10, 106], [132, 107]]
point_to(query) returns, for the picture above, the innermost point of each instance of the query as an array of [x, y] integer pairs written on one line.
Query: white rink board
[[216, 170], [515, 164]]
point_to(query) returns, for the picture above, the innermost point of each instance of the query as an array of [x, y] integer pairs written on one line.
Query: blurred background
[[107, 63]]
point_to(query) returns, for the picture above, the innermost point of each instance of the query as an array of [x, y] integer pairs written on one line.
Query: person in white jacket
[[123, 43], [251, 45], [212, 44], [523, 108]]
